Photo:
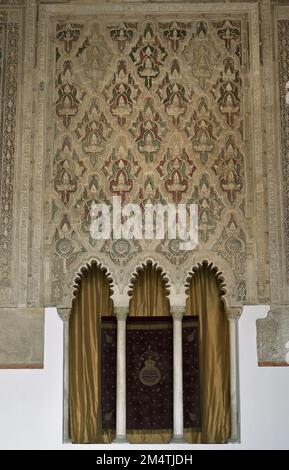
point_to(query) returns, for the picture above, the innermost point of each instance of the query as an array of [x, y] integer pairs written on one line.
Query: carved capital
[[177, 313], [121, 313], [64, 313], [234, 313]]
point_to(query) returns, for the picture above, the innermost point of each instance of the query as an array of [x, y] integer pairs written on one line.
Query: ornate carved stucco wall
[[161, 102], [273, 332], [22, 328], [156, 108]]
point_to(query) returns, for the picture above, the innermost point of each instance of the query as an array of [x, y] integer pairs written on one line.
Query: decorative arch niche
[[92, 300], [151, 283], [206, 301], [220, 279]]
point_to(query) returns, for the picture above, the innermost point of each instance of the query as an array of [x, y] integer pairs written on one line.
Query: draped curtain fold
[[92, 301], [204, 300], [149, 297]]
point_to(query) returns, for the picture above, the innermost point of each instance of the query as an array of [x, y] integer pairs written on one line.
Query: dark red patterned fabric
[[150, 373], [191, 373], [108, 371]]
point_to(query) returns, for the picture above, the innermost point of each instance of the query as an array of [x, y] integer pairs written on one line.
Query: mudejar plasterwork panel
[[152, 110], [152, 102]]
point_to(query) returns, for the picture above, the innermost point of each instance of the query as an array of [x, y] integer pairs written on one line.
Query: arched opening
[[205, 290], [149, 355], [149, 293], [92, 301]]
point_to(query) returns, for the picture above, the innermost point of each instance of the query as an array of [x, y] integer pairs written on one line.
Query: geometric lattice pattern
[[151, 111]]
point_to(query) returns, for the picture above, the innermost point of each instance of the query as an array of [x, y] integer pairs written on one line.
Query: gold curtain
[[149, 299], [149, 294], [205, 301], [92, 301]]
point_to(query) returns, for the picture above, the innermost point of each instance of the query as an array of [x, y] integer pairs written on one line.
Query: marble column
[[64, 314], [121, 315], [178, 411], [233, 315]]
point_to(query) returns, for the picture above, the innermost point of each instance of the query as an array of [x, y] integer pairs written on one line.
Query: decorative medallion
[[94, 132], [69, 171], [122, 93], [148, 131], [122, 34], [230, 32], [95, 57], [175, 33], [232, 245], [201, 55], [173, 94], [148, 55], [229, 169], [150, 375], [204, 130], [176, 169], [68, 96], [210, 207], [67, 34]]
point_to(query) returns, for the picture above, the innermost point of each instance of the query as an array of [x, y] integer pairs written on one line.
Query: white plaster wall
[[31, 400]]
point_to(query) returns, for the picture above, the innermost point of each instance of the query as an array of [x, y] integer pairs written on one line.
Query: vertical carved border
[[282, 47], [37, 200], [260, 239], [26, 161], [12, 27], [270, 153]]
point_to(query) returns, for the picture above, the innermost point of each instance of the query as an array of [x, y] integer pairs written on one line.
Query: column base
[[178, 439], [121, 439]]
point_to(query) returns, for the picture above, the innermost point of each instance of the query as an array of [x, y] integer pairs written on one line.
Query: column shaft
[[178, 412], [233, 315], [121, 378]]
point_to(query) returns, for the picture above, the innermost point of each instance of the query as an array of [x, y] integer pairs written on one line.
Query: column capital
[[233, 313], [177, 312], [121, 313], [64, 313]]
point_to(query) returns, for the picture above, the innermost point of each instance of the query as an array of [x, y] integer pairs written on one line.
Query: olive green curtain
[[92, 301], [149, 297], [204, 300]]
